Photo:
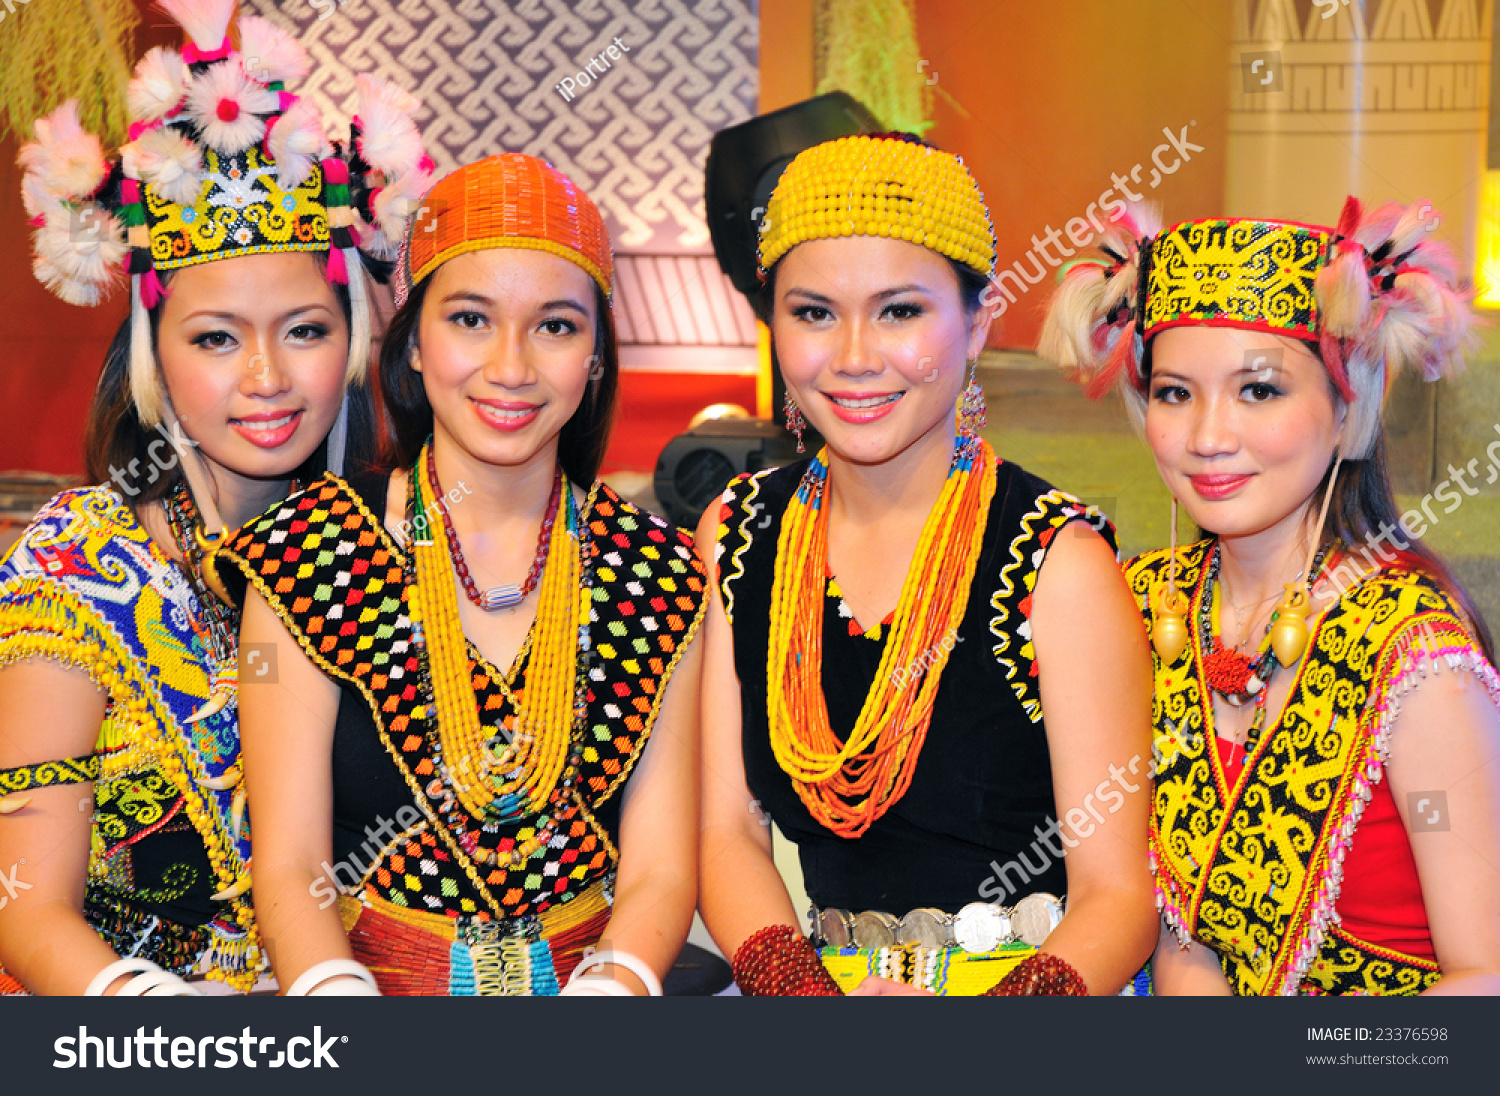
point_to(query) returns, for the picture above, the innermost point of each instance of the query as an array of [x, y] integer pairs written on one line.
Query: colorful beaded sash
[[86, 587], [328, 568], [1253, 870], [417, 954]]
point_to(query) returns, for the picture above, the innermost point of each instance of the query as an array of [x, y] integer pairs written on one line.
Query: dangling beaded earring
[[795, 423], [1289, 623], [971, 410], [1169, 632]]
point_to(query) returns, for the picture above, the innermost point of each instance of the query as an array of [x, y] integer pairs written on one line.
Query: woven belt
[[978, 928]]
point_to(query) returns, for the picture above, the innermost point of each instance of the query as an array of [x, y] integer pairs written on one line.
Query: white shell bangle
[[620, 959]]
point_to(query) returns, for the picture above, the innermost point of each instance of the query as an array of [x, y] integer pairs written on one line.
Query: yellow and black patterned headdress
[[221, 161], [1256, 275], [883, 185], [1376, 294]]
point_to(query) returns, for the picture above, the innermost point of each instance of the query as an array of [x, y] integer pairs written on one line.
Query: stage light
[[695, 467]]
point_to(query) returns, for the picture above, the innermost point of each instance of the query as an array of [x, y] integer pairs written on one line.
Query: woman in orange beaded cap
[[890, 619], [472, 766]]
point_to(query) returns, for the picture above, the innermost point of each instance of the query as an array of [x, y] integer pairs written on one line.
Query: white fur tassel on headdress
[[159, 83], [1389, 301], [271, 54], [205, 21], [168, 161], [359, 317], [145, 383], [391, 206], [68, 162], [1090, 328], [388, 140], [296, 142]]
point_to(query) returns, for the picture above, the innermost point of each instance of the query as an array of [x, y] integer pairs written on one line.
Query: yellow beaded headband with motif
[[884, 185]]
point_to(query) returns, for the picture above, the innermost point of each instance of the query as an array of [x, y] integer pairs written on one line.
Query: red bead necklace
[[507, 595]]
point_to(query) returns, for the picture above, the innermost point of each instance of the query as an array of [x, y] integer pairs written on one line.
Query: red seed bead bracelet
[[1041, 975], [778, 961]]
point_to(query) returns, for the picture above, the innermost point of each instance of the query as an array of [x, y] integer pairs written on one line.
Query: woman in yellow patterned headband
[[1326, 794], [479, 754], [233, 220], [889, 621]]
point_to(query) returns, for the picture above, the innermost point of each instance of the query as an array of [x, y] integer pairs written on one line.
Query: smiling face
[[873, 340], [1243, 426], [253, 352], [505, 349]]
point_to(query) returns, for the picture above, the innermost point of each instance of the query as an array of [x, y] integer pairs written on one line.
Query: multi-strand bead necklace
[[502, 778], [847, 785]]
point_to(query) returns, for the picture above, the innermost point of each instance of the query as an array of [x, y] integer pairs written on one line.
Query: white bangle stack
[[335, 978], [602, 985], [149, 981]]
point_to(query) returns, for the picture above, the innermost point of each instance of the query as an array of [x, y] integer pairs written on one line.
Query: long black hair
[[406, 416]]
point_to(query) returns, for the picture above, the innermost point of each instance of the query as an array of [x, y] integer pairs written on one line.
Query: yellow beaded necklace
[[494, 775], [847, 785]]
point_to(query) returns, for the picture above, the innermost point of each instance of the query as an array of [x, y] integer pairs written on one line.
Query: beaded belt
[[979, 928], [413, 953]]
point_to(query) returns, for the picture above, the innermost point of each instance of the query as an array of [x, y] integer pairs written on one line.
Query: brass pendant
[[1289, 631], [1169, 630]]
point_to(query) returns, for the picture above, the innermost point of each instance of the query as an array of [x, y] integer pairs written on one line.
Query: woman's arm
[[1446, 742], [657, 884], [1193, 971], [49, 712], [1092, 656], [740, 890], [286, 739]]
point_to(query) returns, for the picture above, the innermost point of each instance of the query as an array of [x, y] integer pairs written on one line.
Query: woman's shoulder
[[1031, 511], [63, 540], [636, 545]]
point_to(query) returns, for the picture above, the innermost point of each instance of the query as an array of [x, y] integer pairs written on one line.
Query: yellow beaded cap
[[879, 186]]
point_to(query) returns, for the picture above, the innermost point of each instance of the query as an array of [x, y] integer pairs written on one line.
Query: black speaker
[[695, 467], [744, 162]]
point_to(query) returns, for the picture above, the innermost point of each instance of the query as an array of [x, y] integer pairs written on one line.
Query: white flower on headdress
[[68, 162], [166, 161], [160, 82], [243, 236], [295, 141], [271, 54], [388, 141], [225, 104], [78, 252]]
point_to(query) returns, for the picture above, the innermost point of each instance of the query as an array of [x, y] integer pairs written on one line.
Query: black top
[[336, 579], [982, 789]]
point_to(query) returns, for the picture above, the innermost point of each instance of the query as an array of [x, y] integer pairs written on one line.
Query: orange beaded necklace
[[847, 785]]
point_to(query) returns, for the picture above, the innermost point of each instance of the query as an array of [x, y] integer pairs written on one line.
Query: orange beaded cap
[[509, 200]]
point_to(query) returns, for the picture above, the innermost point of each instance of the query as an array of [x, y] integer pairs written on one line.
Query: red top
[[1380, 901]]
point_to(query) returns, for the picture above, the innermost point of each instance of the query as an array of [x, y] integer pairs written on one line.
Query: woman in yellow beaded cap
[[239, 227], [891, 618], [478, 759]]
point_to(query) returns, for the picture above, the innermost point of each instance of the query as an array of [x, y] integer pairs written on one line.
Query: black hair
[[406, 417]]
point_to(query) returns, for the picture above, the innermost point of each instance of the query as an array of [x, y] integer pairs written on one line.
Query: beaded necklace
[[847, 785], [502, 778], [1233, 675], [507, 595]]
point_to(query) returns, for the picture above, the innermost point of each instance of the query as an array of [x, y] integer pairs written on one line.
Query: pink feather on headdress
[[388, 140], [68, 162], [206, 22]]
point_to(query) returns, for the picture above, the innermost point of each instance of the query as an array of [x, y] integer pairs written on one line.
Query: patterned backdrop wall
[[634, 129]]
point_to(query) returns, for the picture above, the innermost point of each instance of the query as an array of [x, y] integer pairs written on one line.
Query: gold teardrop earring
[[1289, 633], [1169, 631]]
